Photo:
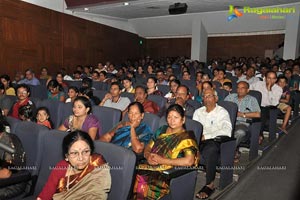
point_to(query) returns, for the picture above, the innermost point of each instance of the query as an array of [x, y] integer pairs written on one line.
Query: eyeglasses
[[23, 92], [76, 154]]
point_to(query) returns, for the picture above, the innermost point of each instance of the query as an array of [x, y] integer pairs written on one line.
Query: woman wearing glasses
[[83, 174]]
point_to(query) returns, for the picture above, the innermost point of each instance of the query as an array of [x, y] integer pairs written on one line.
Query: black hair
[[73, 88], [229, 84], [26, 111], [282, 77], [54, 84], [86, 91], [141, 87], [176, 81], [127, 78], [138, 104], [48, 113], [103, 72], [23, 86], [87, 81], [96, 72], [153, 78], [1, 86], [7, 78], [85, 101], [73, 137], [115, 83], [177, 108], [222, 70]]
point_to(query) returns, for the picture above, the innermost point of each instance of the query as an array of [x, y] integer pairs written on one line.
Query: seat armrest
[[223, 138], [177, 171]]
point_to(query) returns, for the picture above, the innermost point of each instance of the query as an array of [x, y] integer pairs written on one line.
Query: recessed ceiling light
[[126, 3], [86, 9]]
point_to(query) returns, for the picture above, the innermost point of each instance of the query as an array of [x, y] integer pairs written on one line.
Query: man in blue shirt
[[29, 78], [248, 108]]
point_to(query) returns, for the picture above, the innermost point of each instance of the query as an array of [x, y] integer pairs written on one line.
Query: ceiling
[[154, 8]]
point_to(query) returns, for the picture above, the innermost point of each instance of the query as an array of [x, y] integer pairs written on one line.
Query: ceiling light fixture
[[126, 4], [86, 9]]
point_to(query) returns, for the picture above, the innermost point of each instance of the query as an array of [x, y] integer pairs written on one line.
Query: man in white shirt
[[113, 98], [271, 94], [216, 122]]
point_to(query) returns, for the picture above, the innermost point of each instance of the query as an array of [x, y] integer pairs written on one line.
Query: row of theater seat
[[43, 149]]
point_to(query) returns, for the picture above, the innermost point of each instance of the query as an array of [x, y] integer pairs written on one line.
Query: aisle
[[276, 175]]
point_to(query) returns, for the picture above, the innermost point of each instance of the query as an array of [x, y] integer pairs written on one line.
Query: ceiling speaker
[[177, 8]]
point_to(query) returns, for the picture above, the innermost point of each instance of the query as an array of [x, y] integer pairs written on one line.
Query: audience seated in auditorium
[[150, 71], [72, 94], [18, 76], [132, 134], [229, 69], [43, 117], [96, 76], [186, 75], [238, 71], [152, 86], [5, 102], [55, 91], [161, 78], [284, 102], [171, 146], [113, 98], [29, 78], [141, 96], [181, 96], [82, 119], [173, 84], [250, 76], [82, 174], [111, 69], [9, 90], [60, 77], [23, 93], [127, 84], [248, 108], [222, 76], [271, 94], [44, 74], [216, 122], [103, 77], [227, 86]]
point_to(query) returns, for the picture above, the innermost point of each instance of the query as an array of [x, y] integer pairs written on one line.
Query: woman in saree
[[132, 134], [171, 146], [83, 174]]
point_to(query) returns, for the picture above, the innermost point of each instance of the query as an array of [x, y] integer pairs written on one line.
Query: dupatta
[[93, 182]]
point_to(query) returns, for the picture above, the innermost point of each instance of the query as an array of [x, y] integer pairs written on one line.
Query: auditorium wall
[[32, 37]]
